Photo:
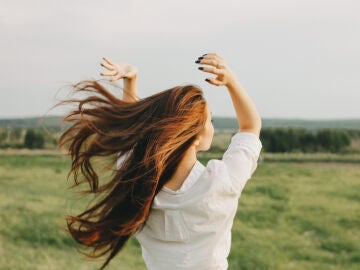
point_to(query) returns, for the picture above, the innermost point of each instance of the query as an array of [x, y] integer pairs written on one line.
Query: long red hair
[[152, 135]]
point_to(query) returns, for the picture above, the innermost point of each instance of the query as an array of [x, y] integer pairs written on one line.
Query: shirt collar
[[190, 180]]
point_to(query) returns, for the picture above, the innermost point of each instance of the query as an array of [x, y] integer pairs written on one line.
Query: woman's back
[[191, 228]]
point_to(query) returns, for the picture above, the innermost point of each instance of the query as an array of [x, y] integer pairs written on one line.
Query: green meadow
[[291, 215]]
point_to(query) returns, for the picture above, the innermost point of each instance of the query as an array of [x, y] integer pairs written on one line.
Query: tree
[[333, 140], [34, 140]]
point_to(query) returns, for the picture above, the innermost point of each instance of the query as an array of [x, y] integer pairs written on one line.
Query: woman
[[180, 211]]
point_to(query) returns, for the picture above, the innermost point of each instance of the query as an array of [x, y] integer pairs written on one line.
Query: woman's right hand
[[217, 65], [118, 71], [126, 72]]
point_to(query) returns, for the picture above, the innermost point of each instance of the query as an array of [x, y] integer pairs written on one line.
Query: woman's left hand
[[118, 71]]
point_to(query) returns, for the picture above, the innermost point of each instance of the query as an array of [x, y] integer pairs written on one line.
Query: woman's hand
[[118, 71], [216, 65], [248, 118], [126, 72]]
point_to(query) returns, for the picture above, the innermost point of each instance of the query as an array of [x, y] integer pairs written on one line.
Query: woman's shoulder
[[237, 164], [248, 139]]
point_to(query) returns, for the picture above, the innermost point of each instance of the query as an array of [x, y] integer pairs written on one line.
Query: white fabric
[[191, 228]]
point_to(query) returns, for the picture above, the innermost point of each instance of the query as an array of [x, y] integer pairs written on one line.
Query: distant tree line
[[25, 138], [275, 140], [301, 140]]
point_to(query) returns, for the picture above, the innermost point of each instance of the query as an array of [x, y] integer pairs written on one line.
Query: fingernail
[[204, 54], [200, 58], [207, 80], [201, 68], [197, 61]]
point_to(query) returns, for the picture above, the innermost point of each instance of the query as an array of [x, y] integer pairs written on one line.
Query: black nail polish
[[197, 61], [201, 68], [207, 80], [200, 58], [204, 54]]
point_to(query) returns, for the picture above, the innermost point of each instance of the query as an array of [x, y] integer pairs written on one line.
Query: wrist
[[131, 79], [130, 89], [130, 83], [233, 85]]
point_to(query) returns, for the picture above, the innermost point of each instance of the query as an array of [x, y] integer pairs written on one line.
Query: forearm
[[246, 113], [130, 90]]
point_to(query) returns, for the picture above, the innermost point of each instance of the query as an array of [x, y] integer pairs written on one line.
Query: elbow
[[253, 126]]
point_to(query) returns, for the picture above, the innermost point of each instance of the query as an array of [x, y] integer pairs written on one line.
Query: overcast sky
[[296, 58]]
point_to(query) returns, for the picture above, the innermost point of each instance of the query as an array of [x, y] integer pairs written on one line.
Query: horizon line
[[214, 116]]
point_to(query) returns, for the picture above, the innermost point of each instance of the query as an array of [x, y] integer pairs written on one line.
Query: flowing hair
[[151, 135]]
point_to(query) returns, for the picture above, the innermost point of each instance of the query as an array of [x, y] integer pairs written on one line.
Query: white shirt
[[191, 228]]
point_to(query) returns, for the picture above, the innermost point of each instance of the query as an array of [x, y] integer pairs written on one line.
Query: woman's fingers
[[115, 78], [110, 73], [108, 61], [211, 59], [212, 70], [109, 67], [212, 56], [211, 62], [118, 71], [215, 64], [214, 81]]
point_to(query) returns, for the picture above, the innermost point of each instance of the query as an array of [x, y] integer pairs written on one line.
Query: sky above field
[[296, 58]]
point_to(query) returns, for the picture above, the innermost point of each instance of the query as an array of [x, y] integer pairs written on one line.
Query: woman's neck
[[183, 170]]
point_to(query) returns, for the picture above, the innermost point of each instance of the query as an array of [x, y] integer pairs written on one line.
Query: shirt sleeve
[[241, 158]]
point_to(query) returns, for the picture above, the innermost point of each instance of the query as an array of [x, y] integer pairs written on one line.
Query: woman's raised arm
[[126, 72], [248, 118]]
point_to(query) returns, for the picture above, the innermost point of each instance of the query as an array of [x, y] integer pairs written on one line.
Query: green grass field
[[290, 216]]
